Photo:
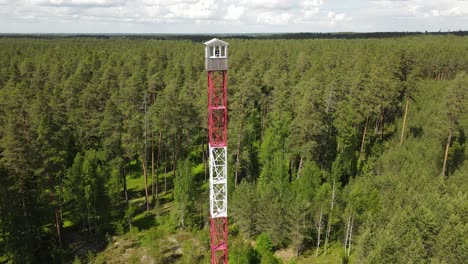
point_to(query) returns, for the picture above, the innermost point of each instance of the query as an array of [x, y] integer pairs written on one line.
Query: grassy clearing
[[334, 255], [159, 244]]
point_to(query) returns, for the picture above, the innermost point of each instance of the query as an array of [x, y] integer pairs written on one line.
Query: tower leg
[[217, 138], [219, 233]]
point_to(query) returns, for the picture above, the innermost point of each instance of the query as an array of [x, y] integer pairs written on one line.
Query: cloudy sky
[[230, 16]]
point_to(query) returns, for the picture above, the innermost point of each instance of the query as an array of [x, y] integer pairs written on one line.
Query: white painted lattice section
[[218, 181]]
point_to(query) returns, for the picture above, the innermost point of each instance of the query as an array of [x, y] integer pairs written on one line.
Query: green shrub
[[264, 244], [242, 253]]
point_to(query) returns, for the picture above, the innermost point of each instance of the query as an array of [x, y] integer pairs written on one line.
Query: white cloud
[[272, 4], [231, 15], [234, 12], [311, 13], [425, 8], [203, 9], [313, 3], [270, 18], [311, 9], [79, 3], [338, 17]]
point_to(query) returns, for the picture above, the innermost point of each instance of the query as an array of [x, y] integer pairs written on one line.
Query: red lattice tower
[[216, 66]]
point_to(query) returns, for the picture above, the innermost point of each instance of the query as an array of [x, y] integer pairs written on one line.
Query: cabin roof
[[216, 42]]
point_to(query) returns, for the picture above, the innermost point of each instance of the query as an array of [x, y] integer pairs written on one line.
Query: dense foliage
[[354, 142]]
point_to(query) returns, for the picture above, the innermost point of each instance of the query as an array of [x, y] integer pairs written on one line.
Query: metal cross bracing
[[218, 182], [217, 139], [216, 88], [217, 111]]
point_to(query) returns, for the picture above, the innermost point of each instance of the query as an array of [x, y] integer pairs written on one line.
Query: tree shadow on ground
[[146, 221]]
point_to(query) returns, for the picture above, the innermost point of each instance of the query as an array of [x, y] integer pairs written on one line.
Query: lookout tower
[[216, 53]]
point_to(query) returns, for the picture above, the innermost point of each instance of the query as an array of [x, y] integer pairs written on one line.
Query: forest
[[339, 150]]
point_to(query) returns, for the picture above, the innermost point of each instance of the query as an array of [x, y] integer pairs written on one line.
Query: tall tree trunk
[[2, 217], [165, 178], [382, 126], [364, 136], [299, 169], [56, 212], [158, 162], [124, 176], [152, 166], [327, 109], [291, 170], [23, 201], [145, 159], [95, 218], [174, 155], [165, 167], [350, 235], [58, 226], [4, 236], [145, 176], [327, 236], [60, 200], [348, 223], [205, 165], [404, 122], [262, 122], [239, 132], [89, 218], [319, 227], [449, 139]]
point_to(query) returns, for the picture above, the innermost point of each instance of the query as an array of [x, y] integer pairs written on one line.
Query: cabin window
[[223, 51], [218, 52], [212, 52]]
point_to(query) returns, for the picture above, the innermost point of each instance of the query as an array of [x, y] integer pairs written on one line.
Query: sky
[[229, 16]]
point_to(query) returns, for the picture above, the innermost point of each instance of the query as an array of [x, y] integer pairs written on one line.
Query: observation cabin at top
[[216, 54]]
